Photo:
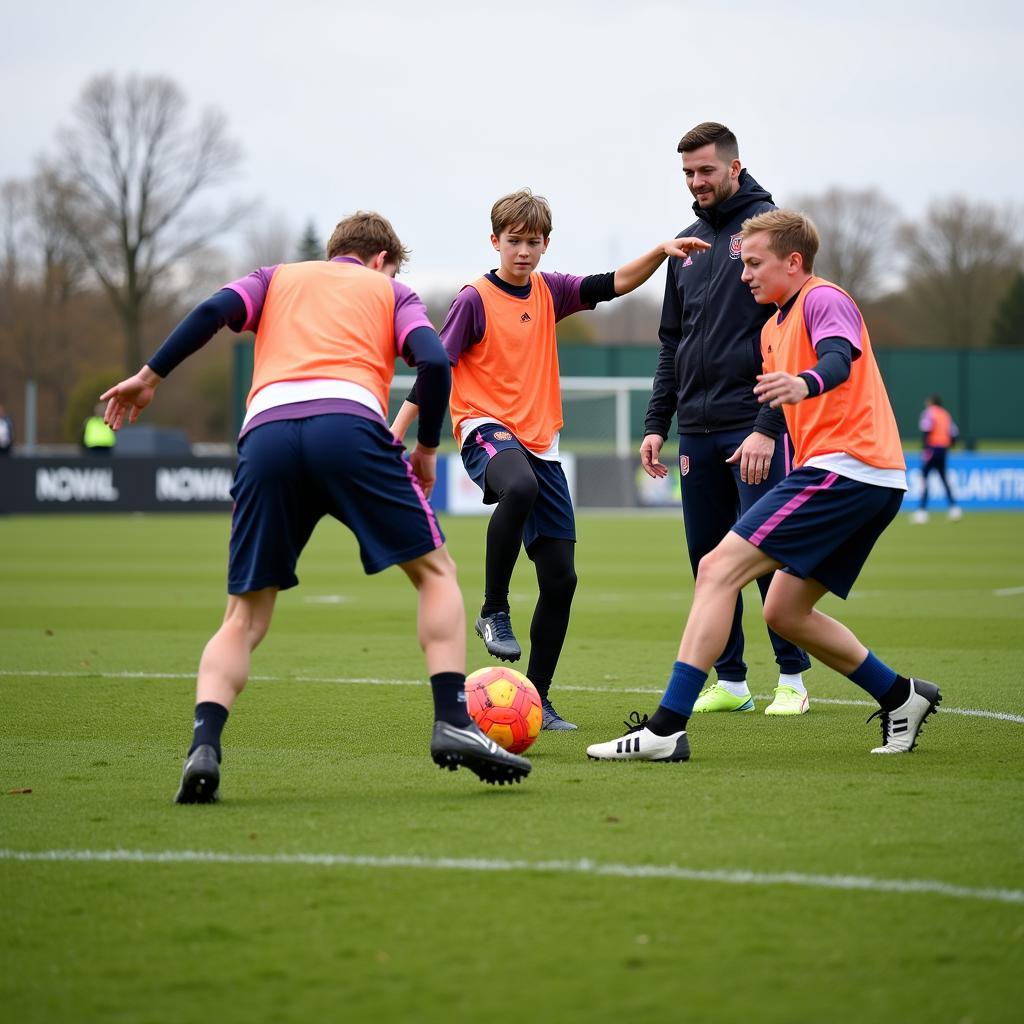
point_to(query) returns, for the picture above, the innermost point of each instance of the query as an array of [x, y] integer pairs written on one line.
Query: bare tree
[[961, 260], [40, 273], [132, 168], [858, 230]]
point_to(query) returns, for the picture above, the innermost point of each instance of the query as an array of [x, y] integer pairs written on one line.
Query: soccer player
[[731, 451], [821, 521], [507, 413], [315, 442], [938, 434]]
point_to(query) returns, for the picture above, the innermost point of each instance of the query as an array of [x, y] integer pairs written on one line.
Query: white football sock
[[796, 682], [736, 689]]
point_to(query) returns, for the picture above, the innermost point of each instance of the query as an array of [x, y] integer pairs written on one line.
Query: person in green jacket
[[97, 437]]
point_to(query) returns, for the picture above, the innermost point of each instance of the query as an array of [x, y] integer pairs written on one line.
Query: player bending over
[[821, 521], [507, 412], [315, 442]]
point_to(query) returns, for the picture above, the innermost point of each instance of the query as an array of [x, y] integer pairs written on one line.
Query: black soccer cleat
[[496, 632], [452, 746], [200, 778], [552, 720]]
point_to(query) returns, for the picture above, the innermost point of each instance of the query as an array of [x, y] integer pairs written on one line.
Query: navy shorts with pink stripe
[[552, 513], [291, 473], [820, 525]]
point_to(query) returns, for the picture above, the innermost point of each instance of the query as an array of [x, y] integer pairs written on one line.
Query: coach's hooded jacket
[[711, 329]]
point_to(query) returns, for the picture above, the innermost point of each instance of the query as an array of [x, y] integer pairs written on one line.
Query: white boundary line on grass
[[668, 872], [1001, 716]]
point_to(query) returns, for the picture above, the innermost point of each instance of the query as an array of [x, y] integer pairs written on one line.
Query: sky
[[428, 112]]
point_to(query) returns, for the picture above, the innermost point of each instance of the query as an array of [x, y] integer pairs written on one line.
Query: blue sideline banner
[[980, 481]]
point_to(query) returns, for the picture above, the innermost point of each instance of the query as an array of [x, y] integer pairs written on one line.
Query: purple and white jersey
[[293, 399], [828, 313], [466, 322], [410, 312]]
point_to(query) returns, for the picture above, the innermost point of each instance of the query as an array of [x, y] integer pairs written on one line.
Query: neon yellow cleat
[[718, 698], [788, 702]]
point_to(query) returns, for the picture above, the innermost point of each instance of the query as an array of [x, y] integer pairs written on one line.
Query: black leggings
[[511, 478]]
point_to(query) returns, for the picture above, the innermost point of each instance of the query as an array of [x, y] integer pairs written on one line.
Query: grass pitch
[[782, 875]]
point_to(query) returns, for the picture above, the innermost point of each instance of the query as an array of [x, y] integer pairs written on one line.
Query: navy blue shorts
[[291, 473], [552, 514], [820, 525]]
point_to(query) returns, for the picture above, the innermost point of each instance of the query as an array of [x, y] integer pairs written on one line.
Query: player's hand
[[754, 457], [131, 396], [780, 388], [424, 465], [684, 246], [650, 449]]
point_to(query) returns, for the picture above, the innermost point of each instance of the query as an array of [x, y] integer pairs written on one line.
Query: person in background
[[938, 435], [97, 437], [6, 432]]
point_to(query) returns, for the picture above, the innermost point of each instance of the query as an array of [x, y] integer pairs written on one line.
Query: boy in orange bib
[[820, 522], [506, 411]]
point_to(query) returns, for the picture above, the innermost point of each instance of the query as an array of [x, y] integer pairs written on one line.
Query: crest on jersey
[[735, 245], [684, 465], [502, 435]]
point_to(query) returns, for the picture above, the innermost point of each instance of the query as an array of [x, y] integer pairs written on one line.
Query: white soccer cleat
[[956, 514], [900, 728], [919, 516], [640, 744]]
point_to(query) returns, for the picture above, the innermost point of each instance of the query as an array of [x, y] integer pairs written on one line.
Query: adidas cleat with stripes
[[900, 728], [200, 778], [452, 747], [496, 632], [640, 744]]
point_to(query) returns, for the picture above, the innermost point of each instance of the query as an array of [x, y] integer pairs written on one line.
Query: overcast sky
[[429, 111]]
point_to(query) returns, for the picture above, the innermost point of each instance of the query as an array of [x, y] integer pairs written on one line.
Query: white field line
[[1001, 716], [668, 872], [1008, 592]]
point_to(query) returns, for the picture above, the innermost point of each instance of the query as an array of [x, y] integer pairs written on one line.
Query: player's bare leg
[[720, 576], [441, 628], [441, 615], [790, 610], [904, 703], [224, 666], [223, 673]]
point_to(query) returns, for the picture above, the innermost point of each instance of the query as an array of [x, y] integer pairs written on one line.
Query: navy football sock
[[673, 714], [208, 725], [449, 689], [874, 676]]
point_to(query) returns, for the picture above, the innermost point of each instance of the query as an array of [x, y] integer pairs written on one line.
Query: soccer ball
[[506, 706]]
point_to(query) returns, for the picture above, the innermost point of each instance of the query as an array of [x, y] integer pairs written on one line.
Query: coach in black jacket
[[731, 449]]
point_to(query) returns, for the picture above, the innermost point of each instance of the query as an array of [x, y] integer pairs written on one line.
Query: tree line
[[104, 247]]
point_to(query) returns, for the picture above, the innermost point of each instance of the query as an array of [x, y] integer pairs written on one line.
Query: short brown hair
[[788, 231], [707, 132], [522, 209], [364, 234]]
